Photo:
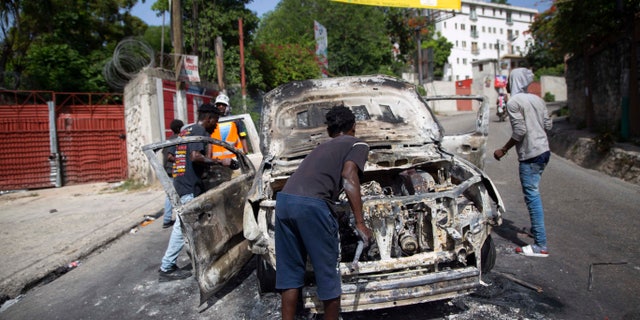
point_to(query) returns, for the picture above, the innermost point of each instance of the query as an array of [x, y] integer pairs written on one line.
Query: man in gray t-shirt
[[529, 122], [304, 223]]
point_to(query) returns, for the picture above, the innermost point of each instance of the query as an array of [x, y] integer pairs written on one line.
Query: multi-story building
[[481, 31]]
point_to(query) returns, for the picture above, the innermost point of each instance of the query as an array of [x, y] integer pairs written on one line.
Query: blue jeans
[[168, 209], [530, 174], [176, 241]]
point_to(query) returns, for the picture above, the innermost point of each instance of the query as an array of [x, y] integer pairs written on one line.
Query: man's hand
[[364, 233], [499, 153]]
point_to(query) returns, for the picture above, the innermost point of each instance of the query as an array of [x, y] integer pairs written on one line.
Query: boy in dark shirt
[[190, 163]]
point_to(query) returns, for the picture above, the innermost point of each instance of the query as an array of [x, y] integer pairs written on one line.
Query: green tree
[[441, 51], [285, 63], [554, 30], [203, 21], [358, 41], [42, 38]]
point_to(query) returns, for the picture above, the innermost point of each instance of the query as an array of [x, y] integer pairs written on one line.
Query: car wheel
[[266, 276], [488, 254]]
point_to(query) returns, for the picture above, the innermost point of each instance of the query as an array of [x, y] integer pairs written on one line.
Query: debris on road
[[600, 264], [520, 282]]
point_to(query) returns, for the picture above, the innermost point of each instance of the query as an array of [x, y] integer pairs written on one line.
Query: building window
[[445, 25], [490, 46], [464, 61], [455, 26], [517, 33], [500, 30], [480, 67], [472, 14], [509, 20], [456, 43], [474, 31], [494, 29], [494, 12], [483, 11], [457, 78], [510, 35], [457, 60], [462, 26], [464, 44], [474, 48], [483, 29], [484, 45]]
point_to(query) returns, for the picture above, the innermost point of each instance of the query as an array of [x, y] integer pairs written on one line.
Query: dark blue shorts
[[305, 226]]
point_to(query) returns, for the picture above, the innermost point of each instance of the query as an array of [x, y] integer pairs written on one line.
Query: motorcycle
[[502, 107]]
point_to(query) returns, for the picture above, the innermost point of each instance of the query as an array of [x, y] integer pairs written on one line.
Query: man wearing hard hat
[[228, 132]]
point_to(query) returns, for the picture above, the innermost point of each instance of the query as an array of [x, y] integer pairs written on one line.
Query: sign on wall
[[189, 71]]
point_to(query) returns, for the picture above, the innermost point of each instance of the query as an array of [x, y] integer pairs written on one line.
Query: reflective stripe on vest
[[227, 132]]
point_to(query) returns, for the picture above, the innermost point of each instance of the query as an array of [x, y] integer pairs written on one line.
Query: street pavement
[[46, 231]]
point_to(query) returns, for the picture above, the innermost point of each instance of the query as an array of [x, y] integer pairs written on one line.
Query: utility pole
[[242, 79], [176, 28], [220, 63], [498, 60]]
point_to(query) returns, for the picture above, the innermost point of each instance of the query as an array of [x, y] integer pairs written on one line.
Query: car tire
[[266, 276], [488, 254]]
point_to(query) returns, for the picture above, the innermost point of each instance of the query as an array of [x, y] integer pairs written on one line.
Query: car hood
[[388, 111]]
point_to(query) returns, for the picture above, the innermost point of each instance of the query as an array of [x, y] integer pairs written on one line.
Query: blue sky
[[143, 10]]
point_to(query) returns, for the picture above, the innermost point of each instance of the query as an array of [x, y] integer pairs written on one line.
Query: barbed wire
[[130, 56]]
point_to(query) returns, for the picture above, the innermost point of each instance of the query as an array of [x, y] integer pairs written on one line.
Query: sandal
[[532, 251]]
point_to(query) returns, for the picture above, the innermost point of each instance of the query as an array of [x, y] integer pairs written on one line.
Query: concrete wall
[[555, 85], [441, 88], [141, 120]]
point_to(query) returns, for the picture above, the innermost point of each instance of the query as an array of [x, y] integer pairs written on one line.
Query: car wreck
[[430, 206], [431, 211]]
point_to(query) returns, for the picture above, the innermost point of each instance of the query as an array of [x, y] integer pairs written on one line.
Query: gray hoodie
[[528, 115]]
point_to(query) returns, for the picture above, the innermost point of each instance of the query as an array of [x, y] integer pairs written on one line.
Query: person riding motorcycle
[[501, 105]]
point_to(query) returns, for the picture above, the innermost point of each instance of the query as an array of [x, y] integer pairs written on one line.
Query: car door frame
[[471, 146], [231, 253]]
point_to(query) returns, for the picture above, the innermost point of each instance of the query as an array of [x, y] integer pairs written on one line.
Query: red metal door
[[90, 139], [24, 122]]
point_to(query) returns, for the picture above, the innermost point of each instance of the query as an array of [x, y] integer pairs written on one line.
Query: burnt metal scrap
[[431, 209]]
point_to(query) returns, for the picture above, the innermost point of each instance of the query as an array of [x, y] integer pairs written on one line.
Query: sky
[[260, 7]]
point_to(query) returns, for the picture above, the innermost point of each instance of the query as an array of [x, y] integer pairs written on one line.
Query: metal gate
[[53, 139]]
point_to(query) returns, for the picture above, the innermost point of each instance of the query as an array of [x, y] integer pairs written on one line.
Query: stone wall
[[599, 81]]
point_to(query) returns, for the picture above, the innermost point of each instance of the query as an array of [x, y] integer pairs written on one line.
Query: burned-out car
[[212, 222], [431, 211]]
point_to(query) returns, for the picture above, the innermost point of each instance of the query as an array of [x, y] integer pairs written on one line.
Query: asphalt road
[[591, 219]]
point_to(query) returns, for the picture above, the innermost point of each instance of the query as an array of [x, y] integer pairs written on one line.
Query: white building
[[482, 30]]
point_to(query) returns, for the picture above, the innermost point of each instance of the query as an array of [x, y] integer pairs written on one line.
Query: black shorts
[[305, 226]]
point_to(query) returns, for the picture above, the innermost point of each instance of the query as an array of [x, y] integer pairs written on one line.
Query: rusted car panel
[[431, 211], [212, 223]]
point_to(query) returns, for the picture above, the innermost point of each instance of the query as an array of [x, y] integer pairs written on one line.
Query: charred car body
[[431, 211]]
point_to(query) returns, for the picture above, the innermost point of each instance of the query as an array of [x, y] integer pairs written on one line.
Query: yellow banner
[[427, 4]]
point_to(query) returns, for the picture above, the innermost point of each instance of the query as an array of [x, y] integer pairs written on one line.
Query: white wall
[[555, 85]]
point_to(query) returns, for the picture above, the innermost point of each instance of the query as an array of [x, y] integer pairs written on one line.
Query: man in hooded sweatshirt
[[529, 123]]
